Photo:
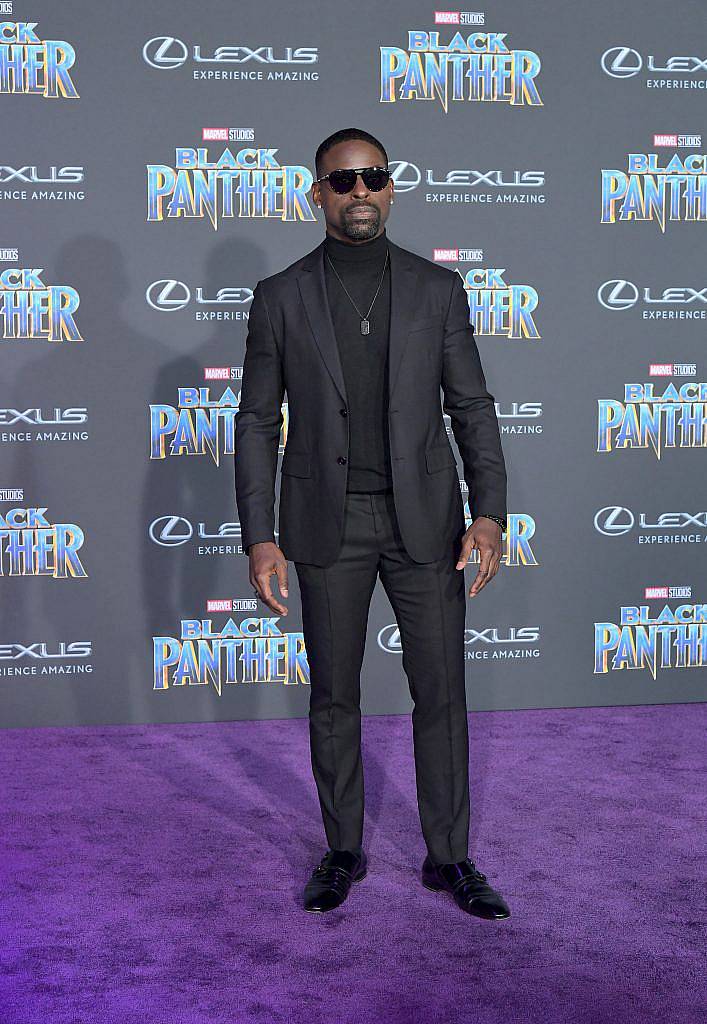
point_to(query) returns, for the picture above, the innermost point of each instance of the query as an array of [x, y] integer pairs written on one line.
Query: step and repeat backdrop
[[157, 162]]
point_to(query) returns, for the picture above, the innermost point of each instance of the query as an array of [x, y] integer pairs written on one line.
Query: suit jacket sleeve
[[471, 408], [258, 424]]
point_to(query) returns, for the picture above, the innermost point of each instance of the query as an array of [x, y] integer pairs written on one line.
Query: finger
[[493, 568], [267, 595], [465, 552], [463, 560], [493, 564], [479, 583], [482, 574], [488, 567], [281, 570]]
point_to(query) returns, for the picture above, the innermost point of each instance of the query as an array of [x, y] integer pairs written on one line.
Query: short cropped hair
[[344, 135]]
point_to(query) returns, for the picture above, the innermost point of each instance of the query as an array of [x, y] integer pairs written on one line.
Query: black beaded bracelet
[[496, 519]]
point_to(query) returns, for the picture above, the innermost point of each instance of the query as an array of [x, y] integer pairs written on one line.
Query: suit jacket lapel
[[312, 285], [404, 289]]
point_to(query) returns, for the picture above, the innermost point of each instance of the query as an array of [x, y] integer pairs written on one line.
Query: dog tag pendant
[[365, 327]]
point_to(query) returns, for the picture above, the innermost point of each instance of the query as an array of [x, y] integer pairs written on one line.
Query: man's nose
[[359, 188]]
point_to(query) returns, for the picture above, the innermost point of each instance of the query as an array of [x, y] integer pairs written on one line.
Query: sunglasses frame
[[358, 170]]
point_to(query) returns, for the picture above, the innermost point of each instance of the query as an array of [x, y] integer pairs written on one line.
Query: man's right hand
[[266, 559]]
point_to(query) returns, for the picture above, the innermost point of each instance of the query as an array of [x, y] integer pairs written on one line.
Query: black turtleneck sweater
[[364, 357]]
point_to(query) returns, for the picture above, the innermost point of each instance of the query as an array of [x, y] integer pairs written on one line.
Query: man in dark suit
[[362, 333]]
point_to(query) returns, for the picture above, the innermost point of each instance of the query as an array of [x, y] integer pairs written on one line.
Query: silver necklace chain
[[365, 323]]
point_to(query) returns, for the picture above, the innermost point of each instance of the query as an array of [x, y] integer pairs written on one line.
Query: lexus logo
[[165, 52], [170, 531], [405, 175], [614, 520], [168, 295], [621, 62], [389, 639], [618, 294]]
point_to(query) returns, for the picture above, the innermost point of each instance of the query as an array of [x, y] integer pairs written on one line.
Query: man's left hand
[[486, 536]]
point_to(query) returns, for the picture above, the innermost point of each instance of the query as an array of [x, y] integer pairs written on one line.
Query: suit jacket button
[[341, 460], [344, 412]]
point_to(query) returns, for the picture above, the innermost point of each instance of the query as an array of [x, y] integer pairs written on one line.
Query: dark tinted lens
[[375, 178], [342, 181]]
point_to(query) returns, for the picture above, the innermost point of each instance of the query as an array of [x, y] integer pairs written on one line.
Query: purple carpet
[[152, 875]]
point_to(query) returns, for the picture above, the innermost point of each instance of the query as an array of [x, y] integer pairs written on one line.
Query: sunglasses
[[344, 179]]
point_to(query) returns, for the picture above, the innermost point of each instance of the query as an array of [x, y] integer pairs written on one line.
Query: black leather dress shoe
[[467, 886], [331, 880]]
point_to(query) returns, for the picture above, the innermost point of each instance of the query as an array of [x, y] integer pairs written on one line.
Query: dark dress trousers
[[396, 512]]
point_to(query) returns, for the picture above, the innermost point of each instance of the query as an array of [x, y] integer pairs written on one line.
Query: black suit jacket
[[291, 346]]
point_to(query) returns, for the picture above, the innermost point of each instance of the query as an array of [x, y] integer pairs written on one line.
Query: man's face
[[359, 214]]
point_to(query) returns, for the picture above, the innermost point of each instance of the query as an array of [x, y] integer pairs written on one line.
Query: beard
[[358, 228]]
